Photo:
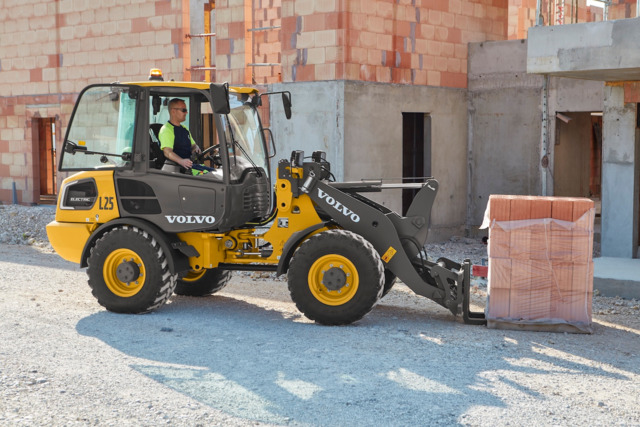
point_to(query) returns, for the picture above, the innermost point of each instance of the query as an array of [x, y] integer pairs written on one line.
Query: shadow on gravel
[[397, 366], [29, 255]]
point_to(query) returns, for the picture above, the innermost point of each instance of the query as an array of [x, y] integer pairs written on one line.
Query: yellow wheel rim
[[333, 280], [194, 276], [117, 259]]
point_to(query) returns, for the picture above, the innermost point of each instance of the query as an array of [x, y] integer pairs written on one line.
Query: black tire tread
[[163, 291], [213, 281], [298, 277]]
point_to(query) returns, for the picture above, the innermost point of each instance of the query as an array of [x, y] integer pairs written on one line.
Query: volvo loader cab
[[114, 129], [145, 230]]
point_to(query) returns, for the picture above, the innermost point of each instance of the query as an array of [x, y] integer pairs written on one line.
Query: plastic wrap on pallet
[[540, 268]]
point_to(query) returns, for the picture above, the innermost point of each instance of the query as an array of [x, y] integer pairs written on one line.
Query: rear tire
[[202, 283], [336, 277], [128, 271]]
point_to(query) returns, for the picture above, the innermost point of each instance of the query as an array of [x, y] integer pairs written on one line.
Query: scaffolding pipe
[[277, 27], [264, 64], [201, 35]]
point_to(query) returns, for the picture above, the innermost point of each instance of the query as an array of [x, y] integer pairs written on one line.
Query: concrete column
[[619, 175]]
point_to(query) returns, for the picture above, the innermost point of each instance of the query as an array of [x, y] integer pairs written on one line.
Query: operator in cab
[[176, 141]]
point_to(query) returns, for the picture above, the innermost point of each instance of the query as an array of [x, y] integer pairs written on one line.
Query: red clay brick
[[581, 206], [139, 25], [441, 5], [163, 8], [305, 73], [315, 22], [336, 20], [35, 75], [236, 30], [540, 207], [458, 80], [288, 25], [631, 92], [177, 36]]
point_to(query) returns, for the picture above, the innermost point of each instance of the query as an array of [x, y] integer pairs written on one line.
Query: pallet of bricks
[[540, 263]]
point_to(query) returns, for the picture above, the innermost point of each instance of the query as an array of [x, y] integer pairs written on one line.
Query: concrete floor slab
[[617, 277]]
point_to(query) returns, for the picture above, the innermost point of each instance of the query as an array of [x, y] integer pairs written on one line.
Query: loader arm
[[397, 239]]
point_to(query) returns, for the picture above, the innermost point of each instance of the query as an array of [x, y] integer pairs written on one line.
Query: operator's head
[[177, 110]]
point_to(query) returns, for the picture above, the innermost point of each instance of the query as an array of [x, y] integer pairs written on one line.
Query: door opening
[[46, 134], [578, 155], [416, 151], [577, 166]]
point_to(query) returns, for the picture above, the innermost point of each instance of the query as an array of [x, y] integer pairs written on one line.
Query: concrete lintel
[[608, 51]]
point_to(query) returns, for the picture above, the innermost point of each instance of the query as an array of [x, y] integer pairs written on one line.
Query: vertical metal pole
[[15, 193], [544, 151], [207, 42]]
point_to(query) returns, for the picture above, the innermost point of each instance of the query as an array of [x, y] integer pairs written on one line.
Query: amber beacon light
[[155, 74]]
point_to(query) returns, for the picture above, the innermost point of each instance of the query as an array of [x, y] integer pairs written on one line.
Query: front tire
[[336, 277], [203, 282], [128, 271]]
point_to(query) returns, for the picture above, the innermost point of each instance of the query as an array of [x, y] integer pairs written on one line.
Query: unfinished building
[[388, 88]]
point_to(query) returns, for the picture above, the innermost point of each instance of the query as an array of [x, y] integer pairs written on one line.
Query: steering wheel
[[212, 148], [204, 155]]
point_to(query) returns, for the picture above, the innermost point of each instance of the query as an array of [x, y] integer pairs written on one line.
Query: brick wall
[[406, 41], [622, 9], [50, 50], [522, 14], [231, 45], [266, 43], [393, 41]]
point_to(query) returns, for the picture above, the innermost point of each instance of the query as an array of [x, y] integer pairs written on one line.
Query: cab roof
[[191, 85]]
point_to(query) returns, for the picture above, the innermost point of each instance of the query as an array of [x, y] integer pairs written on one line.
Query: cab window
[[102, 128]]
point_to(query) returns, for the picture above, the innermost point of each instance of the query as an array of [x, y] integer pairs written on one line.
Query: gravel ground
[[247, 357]]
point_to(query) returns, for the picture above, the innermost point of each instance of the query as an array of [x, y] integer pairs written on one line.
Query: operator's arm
[[194, 147], [169, 154], [167, 138]]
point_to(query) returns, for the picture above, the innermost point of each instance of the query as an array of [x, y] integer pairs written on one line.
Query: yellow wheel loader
[[145, 231]]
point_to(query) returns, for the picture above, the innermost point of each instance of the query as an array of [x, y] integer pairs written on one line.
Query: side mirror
[[220, 98], [286, 103], [155, 103]]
